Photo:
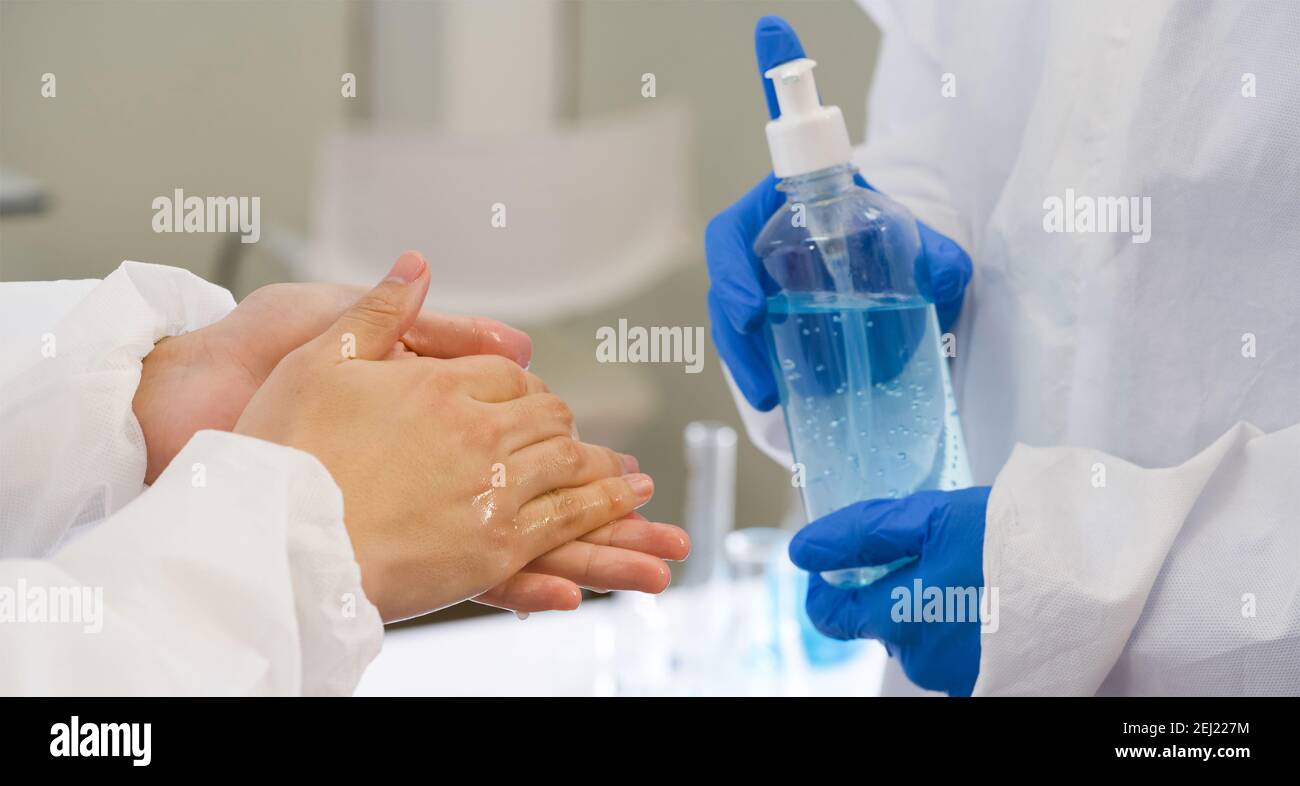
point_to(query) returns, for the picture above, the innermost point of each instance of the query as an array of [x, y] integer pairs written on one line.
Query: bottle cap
[[807, 136]]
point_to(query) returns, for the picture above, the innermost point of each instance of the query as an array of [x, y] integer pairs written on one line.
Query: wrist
[[149, 404], [182, 391]]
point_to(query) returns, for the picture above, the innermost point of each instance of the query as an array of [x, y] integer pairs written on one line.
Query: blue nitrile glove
[[945, 531], [737, 301]]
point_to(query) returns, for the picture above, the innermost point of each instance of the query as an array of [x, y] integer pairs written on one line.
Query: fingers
[[535, 384], [567, 514], [622, 555], [949, 265], [858, 613], [737, 300], [734, 270], [527, 592], [372, 324], [538, 418], [775, 42], [949, 272], [451, 336], [604, 567], [873, 532], [400, 352], [490, 378], [562, 462], [746, 356], [634, 533]]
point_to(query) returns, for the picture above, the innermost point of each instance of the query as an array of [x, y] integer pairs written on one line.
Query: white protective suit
[[1172, 364], [232, 574]]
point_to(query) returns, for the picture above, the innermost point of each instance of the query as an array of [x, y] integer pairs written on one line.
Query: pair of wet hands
[[460, 472]]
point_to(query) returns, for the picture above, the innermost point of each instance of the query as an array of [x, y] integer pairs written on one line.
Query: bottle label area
[[867, 398]]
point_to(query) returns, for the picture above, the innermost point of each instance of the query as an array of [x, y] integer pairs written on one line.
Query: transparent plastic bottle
[[855, 341]]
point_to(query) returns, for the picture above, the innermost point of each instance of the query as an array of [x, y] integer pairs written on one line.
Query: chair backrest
[[527, 229]]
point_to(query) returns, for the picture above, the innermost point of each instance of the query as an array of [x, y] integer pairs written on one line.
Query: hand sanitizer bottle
[[853, 336]]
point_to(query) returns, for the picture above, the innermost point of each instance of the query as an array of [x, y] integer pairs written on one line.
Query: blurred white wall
[[217, 98]]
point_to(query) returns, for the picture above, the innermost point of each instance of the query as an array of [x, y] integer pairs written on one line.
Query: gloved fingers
[[861, 182], [957, 523], [893, 340], [947, 313], [872, 532], [949, 264], [865, 613], [734, 270], [746, 356], [737, 297], [944, 275], [775, 42]]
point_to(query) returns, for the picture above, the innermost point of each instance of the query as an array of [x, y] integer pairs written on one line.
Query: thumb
[[775, 42], [944, 270], [873, 532], [377, 320]]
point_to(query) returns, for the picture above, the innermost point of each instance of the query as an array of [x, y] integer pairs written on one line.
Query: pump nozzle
[[796, 90], [807, 136]]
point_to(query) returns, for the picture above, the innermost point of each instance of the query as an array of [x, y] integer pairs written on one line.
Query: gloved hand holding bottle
[[843, 283], [944, 530], [737, 295], [821, 300]]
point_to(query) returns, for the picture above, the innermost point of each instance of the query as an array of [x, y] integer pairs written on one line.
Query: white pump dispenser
[[807, 136]]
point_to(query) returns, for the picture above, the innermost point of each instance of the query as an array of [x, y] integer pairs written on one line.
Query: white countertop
[[627, 644]]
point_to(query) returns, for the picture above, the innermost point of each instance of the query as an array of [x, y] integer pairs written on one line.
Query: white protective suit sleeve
[[233, 574], [1119, 580]]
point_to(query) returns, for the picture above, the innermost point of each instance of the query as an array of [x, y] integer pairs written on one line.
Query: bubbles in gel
[[867, 398]]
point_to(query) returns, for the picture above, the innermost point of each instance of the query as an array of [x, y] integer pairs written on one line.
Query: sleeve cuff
[[1074, 539], [235, 573], [67, 414], [339, 629]]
